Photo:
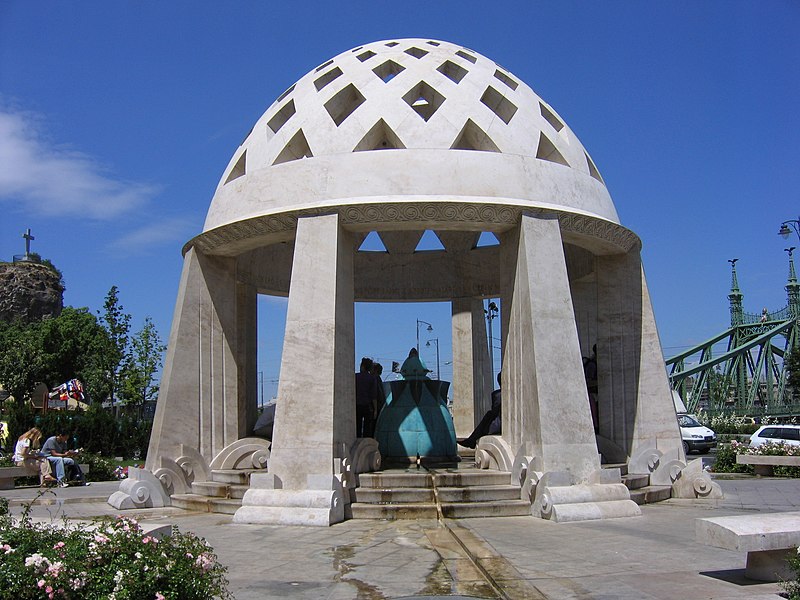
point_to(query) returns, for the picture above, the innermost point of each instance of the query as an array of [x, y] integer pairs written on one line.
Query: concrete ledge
[[767, 539], [763, 465], [9, 474]]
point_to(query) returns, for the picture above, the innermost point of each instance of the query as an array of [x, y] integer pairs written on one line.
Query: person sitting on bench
[[55, 449]]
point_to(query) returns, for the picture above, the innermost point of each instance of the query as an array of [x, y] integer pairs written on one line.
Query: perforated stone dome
[[452, 126]]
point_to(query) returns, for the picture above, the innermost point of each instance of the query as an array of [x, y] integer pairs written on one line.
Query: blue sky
[[117, 120]]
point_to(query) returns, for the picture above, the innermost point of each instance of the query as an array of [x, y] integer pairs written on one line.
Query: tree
[[117, 324], [21, 357], [141, 364]]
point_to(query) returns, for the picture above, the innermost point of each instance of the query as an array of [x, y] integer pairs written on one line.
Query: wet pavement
[[652, 556]]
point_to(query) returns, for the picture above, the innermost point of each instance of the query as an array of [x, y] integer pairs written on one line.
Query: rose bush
[[726, 457], [114, 560]]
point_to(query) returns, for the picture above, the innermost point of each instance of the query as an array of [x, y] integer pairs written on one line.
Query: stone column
[[545, 401], [207, 392], [634, 397], [472, 386], [315, 412]]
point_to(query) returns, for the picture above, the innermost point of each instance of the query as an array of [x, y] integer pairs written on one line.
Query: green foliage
[[726, 458], [117, 324], [21, 359], [793, 587], [113, 560], [141, 365], [727, 423], [792, 365]]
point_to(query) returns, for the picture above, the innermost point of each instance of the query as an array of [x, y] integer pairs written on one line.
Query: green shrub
[[793, 587], [726, 458], [113, 561]]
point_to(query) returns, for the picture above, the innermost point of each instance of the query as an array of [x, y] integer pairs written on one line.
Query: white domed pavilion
[[400, 137]]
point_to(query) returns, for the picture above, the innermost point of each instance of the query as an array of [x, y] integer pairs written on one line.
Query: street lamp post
[[430, 328], [785, 229], [428, 343], [491, 313]]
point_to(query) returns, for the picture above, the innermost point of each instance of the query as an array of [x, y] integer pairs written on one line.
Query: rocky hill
[[29, 291]]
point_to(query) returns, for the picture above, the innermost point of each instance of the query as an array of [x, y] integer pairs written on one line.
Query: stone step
[[395, 479], [401, 495], [478, 493], [651, 493], [219, 490], [623, 467], [499, 508], [198, 503], [475, 477], [238, 476], [636, 481], [391, 512]]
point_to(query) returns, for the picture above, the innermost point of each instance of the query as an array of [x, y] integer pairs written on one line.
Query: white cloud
[[55, 182], [162, 231]]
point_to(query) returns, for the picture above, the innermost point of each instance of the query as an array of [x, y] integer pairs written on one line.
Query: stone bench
[[763, 465], [768, 538], [9, 474]]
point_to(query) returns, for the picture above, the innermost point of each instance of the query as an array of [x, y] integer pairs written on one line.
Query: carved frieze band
[[411, 212]]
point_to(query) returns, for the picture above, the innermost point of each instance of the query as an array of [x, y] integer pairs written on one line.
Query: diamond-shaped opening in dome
[[499, 104], [593, 169], [548, 151], [452, 71], [286, 93], [473, 137], [388, 70], [296, 149], [487, 238], [432, 43], [429, 242], [467, 56], [283, 115], [364, 56], [550, 117], [238, 169], [372, 243], [424, 100], [344, 103], [324, 79], [392, 44], [416, 52], [380, 137], [505, 79], [356, 49], [323, 65]]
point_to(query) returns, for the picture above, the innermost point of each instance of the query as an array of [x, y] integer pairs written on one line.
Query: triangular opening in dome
[[428, 242], [593, 169], [452, 71], [324, 79], [283, 115], [550, 117], [499, 104], [296, 148], [424, 100], [238, 169], [487, 238], [380, 137], [548, 151], [344, 103], [473, 137], [372, 243]]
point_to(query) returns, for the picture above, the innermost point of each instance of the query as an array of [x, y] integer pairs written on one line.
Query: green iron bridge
[[747, 377]]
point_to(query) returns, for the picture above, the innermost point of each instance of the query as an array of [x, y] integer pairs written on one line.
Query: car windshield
[[688, 421]]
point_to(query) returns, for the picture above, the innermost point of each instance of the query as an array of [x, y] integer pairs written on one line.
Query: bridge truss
[[745, 375]]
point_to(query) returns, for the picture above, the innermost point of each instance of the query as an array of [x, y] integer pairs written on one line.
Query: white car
[[694, 435], [779, 434]]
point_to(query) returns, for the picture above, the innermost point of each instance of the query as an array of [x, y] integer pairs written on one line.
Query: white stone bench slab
[[767, 538], [9, 474], [763, 465]]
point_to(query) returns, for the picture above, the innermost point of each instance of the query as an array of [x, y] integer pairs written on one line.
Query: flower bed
[[114, 561], [726, 457]]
